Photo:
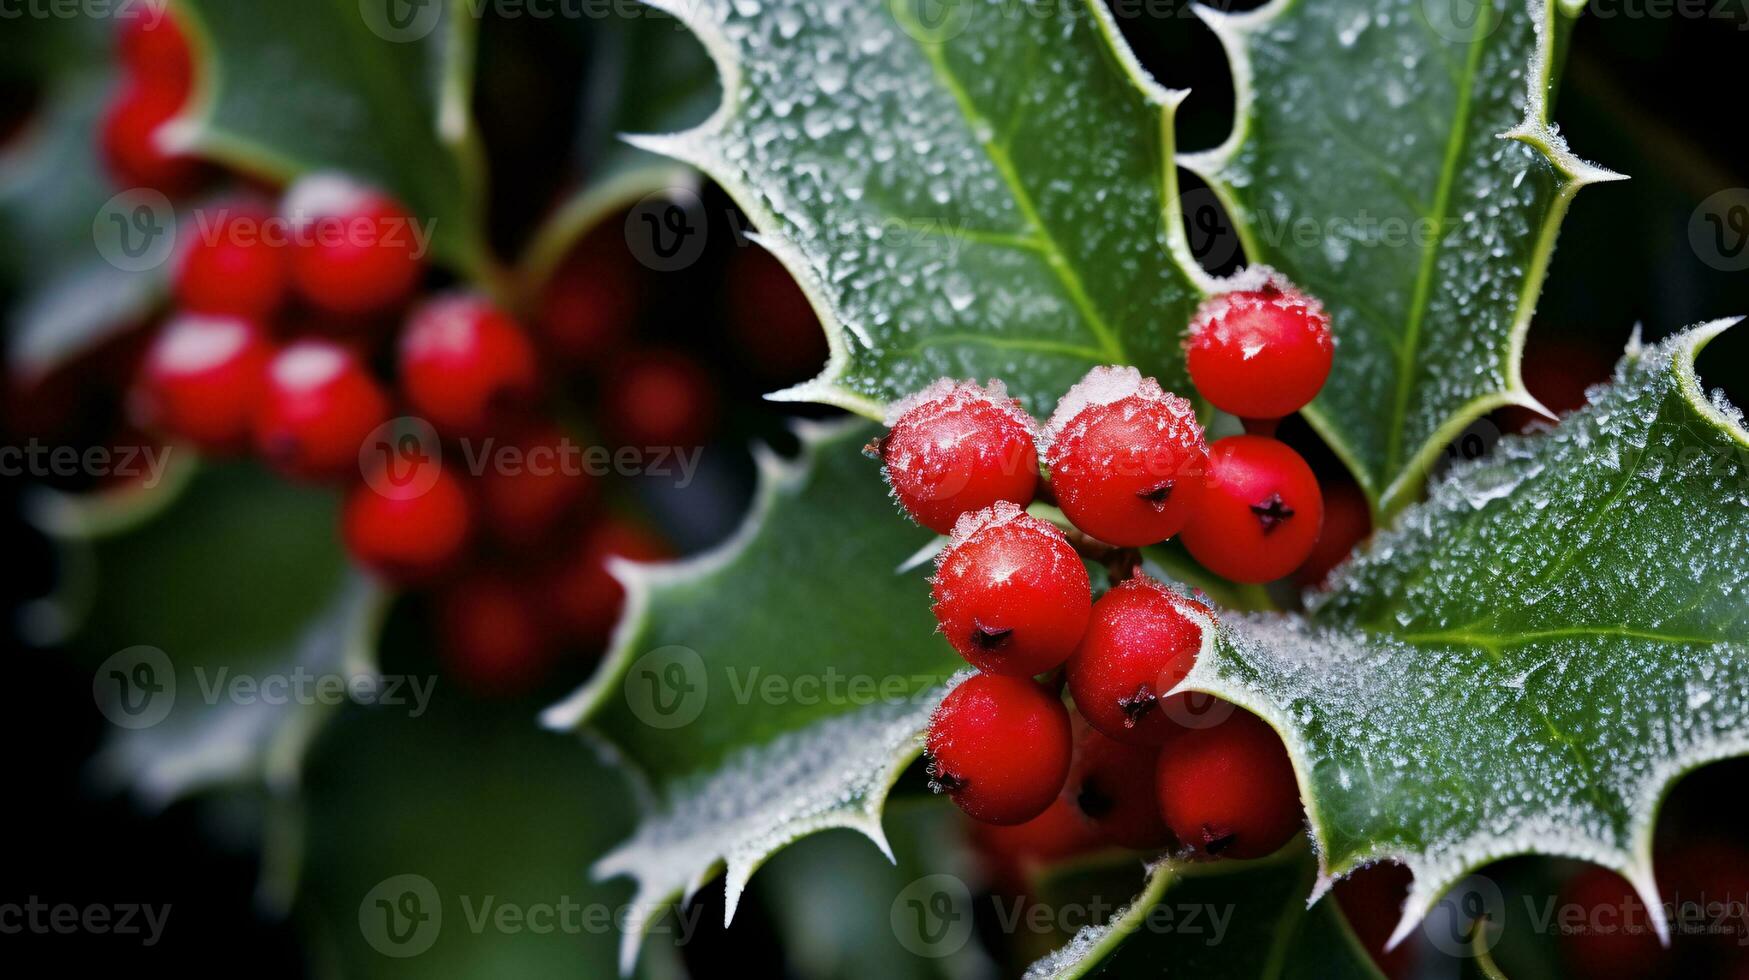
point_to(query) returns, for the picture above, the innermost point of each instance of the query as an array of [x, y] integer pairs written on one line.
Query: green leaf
[[1530, 660], [229, 603], [990, 196], [490, 823], [647, 74], [772, 688], [1219, 919], [1397, 160], [286, 89]]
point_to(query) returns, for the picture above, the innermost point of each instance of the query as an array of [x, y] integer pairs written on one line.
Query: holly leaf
[[1398, 161], [981, 195], [1218, 919], [218, 640], [1530, 660], [772, 688], [378, 89]]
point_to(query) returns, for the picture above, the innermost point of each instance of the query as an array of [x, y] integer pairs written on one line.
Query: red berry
[[1229, 789], [1347, 522], [659, 398], [131, 127], [1261, 513], [1010, 593], [1260, 353], [590, 303], [317, 407], [1112, 785], [1126, 458], [1140, 642], [408, 539], [355, 251], [491, 634], [531, 486], [771, 320], [1000, 747], [956, 448], [1015, 853], [229, 267], [201, 380], [582, 596], [1614, 936], [465, 364], [152, 46], [1372, 901]]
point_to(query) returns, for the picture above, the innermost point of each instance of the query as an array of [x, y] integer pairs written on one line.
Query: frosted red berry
[[131, 137], [957, 447], [581, 595], [659, 398], [1000, 747], [1011, 595], [465, 364], [1111, 784], [408, 539], [230, 265], [1261, 513], [1229, 790], [1126, 457], [355, 250], [1140, 642], [318, 404], [531, 486], [492, 635], [202, 378], [1260, 353]]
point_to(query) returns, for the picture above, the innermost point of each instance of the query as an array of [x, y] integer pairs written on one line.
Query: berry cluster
[[1128, 466]]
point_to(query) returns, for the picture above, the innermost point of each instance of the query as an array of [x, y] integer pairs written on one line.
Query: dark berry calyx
[[990, 638], [1271, 512], [1156, 496], [1093, 800], [1136, 706], [942, 781]]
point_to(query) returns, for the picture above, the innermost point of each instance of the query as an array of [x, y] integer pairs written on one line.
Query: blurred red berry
[[771, 320], [659, 398], [531, 486], [131, 129], [583, 598], [202, 380], [408, 539], [587, 307], [1606, 931], [228, 266], [317, 407], [355, 251], [466, 365], [151, 45], [492, 637]]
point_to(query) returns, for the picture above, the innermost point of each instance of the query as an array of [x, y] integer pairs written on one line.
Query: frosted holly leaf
[[1396, 160], [1219, 919], [375, 89], [989, 194], [1531, 659], [773, 688]]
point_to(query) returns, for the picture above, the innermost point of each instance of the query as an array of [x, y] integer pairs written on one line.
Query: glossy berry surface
[[531, 487], [580, 594], [408, 539], [958, 447], [1126, 457], [1011, 595], [317, 406], [201, 380], [355, 251], [131, 127], [1139, 644], [1111, 784], [659, 398], [1229, 790], [1261, 514], [1000, 747], [491, 634], [465, 364], [1261, 353], [229, 268]]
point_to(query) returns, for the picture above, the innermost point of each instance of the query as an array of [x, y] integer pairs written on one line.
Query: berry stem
[[1121, 564]]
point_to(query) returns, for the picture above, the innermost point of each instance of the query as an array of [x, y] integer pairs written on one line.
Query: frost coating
[[1110, 385], [1396, 202], [945, 218], [1529, 661]]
